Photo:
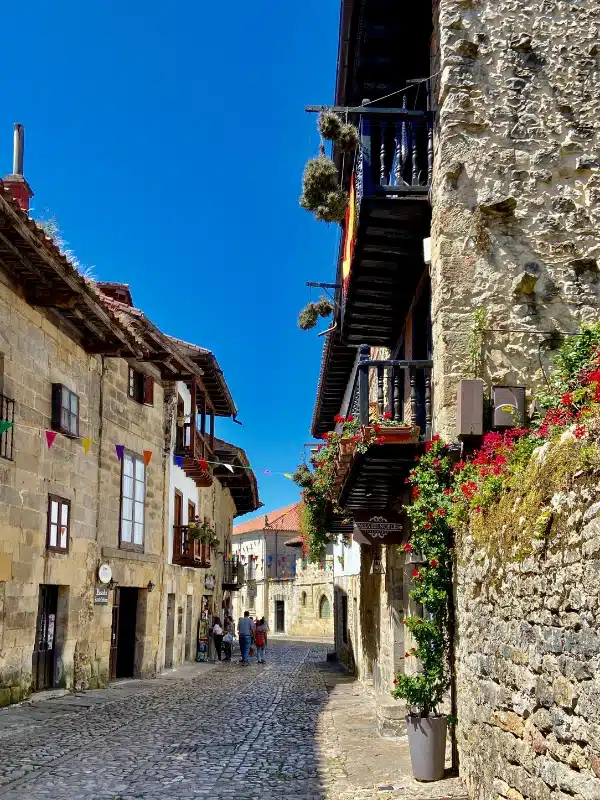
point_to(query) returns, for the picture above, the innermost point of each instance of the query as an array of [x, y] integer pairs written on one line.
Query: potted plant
[[350, 429], [387, 430], [424, 693]]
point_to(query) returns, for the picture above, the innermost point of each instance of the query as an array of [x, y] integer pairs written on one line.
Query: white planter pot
[[427, 743]]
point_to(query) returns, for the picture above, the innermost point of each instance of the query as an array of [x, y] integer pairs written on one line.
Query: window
[[132, 502], [65, 410], [191, 511], [141, 387], [324, 608], [303, 599], [59, 515]]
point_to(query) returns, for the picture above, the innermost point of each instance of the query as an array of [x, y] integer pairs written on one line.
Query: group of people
[[222, 637], [252, 635]]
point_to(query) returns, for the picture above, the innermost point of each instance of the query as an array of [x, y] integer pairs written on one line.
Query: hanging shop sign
[[385, 527], [104, 573]]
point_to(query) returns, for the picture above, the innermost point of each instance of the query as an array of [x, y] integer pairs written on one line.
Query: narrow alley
[[297, 727]]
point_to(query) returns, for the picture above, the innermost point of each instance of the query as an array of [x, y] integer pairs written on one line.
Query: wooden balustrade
[[188, 551], [396, 388]]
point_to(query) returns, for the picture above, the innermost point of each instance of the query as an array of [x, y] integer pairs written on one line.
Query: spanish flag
[[349, 236]]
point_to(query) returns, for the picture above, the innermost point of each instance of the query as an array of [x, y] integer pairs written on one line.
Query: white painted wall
[[178, 479], [351, 556]]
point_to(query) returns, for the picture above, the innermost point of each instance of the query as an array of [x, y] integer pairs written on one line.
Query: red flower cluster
[[380, 440], [417, 574], [415, 492], [580, 431], [434, 563], [388, 415], [339, 420], [567, 399], [447, 492], [408, 548], [469, 489], [428, 526]]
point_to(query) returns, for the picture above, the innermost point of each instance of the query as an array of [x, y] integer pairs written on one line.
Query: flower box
[[347, 448], [393, 434]]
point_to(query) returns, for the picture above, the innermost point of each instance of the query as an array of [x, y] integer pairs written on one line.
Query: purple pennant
[[268, 472], [119, 449]]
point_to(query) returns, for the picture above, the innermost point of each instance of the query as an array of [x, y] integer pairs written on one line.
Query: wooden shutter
[[56, 406], [148, 390]]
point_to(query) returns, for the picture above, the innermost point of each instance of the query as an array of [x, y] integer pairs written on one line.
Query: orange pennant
[[147, 456]]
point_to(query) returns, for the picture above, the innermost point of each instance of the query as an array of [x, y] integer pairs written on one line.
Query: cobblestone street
[[293, 728]]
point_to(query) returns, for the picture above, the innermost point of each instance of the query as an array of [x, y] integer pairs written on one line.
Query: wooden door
[[178, 513], [114, 635], [188, 627], [45, 638]]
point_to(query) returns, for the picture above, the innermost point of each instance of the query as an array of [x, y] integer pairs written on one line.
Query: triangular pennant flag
[[50, 437], [178, 460], [229, 467], [119, 448], [4, 426], [147, 456], [268, 472], [287, 475], [86, 443], [203, 464]]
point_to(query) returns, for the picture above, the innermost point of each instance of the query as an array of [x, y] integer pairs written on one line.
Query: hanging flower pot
[[427, 745], [347, 448]]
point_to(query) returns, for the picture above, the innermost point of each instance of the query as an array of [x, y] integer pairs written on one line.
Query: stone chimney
[[16, 183]]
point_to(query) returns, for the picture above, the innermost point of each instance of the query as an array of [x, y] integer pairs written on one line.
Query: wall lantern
[[377, 567], [150, 586]]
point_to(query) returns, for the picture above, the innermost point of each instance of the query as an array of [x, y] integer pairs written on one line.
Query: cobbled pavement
[[231, 732]]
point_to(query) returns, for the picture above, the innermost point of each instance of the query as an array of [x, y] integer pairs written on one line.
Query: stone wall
[[35, 354], [528, 651], [312, 583], [516, 218]]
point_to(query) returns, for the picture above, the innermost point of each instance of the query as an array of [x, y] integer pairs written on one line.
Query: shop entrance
[[45, 637], [122, 638], [170, 637]]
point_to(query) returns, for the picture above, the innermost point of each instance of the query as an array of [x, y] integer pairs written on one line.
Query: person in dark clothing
[[228, 637], [217, 633]]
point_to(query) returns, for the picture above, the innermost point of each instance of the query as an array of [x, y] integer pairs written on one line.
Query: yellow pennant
[[86, 444], [287, 475]]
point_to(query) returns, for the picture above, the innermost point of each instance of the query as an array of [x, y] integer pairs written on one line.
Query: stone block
[[4, 697]]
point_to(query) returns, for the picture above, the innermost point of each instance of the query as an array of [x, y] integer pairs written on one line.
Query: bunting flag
[[119, 449], [50, 437], [268, 472], [5, 426], [229, 467], [203, 464], [147, 456], [86, 443], [178, 461], [287, 475]]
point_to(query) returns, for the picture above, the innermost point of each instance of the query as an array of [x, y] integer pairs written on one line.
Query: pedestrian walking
[[217, 633], [260, 637], [245, 633], [228, 637]]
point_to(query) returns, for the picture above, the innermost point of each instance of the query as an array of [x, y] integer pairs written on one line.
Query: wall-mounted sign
[[385, 527], [104, 573], [101, 595]]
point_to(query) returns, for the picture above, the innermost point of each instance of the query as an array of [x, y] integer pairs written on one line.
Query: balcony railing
[[396, 153], [7, 414], [401, 389], [188, 551], [233, 573], [193, 443]]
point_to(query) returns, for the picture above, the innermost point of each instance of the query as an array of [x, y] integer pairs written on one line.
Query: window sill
[[117, 552]]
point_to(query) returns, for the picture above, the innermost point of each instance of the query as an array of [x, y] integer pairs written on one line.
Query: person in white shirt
[[217, 634]]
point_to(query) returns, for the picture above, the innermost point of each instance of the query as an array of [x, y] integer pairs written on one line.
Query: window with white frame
[[133, 490]]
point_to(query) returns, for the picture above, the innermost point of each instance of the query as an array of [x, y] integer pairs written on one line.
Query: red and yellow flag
[[349, 236]]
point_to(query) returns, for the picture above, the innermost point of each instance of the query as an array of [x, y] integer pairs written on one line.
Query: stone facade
[[528, 657], [515, 226]]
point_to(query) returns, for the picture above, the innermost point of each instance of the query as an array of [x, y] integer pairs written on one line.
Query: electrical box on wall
[[508, 406], [469, 408]]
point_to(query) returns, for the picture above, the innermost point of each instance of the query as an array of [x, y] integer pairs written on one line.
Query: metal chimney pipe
[[19, 143]]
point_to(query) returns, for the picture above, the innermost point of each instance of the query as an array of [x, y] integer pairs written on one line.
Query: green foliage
[[329, 124], [575, 355], [347, 139], [320, 190], [476, 342], [310, 314]]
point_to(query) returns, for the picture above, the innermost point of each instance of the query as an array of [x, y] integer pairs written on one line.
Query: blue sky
[[168, 141]]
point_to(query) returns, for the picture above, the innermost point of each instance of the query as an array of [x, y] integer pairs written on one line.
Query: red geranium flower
[[567, 399], [430, 515], [436, 462], [379, 440], [428, 446], [580, 431], [478, 509], [408, 548], [442, 512], [436, 438], [338, 418], [416, 574], [387, 415], [415, 493], [376, 428], [428, 526], [325, 436], [447, 492], [395, 682], [350, 418], [434, 563]]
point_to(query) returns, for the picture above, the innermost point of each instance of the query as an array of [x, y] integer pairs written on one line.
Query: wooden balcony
[[401, 389], [392, 175], [194, 446], [189, 552], [232, 574], [7, 414]]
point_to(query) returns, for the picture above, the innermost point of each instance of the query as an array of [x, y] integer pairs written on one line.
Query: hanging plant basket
[[309, 315], [329, 124], [347, 448], [347, 139]]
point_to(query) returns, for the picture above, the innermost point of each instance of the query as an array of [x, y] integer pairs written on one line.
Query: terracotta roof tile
[[283, 519]]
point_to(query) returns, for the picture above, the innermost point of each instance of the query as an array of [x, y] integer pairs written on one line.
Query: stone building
[[296, 597], [469, 249], [88, 448]]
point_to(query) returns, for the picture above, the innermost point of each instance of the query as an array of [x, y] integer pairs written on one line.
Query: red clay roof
[[283, 519]]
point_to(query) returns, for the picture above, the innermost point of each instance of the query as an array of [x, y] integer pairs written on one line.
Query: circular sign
[[104, 573]]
